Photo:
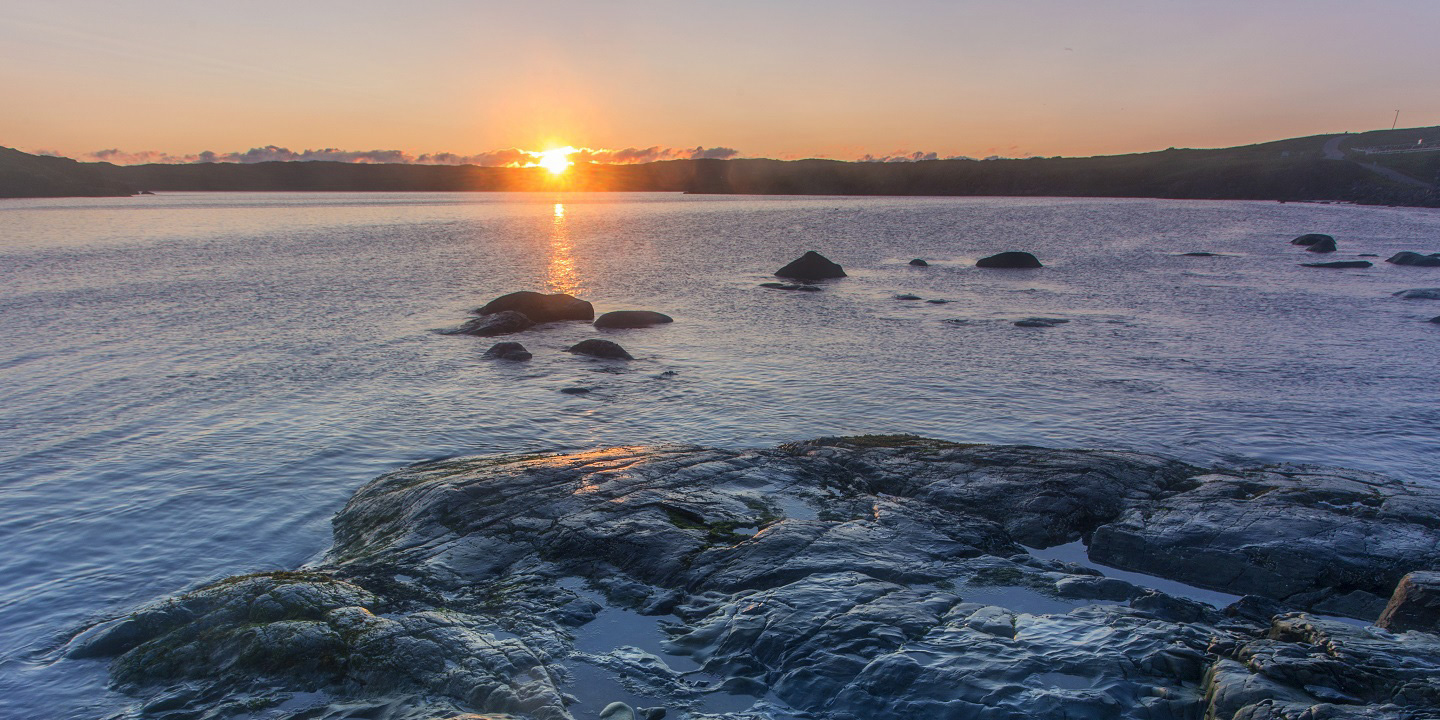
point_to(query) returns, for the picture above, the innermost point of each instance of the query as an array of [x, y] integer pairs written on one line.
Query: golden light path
[[561, 274]]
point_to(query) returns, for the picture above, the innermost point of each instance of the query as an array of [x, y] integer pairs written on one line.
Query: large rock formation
[[811, 266], [541, 308], [875, 578]]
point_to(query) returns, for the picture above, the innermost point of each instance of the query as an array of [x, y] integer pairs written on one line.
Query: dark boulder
[[1010, 260], [1200, 254], [1322, 246], [811, 266], [1341, 264], [631, 319], [790, 286], [1311, 239], [1415, 259], [1419, 294], [575, 390], [599, 349], [540, 307], [917, 262], [1435, 320], [907, 296], [508, 351], [501, 323], [1415, 604]]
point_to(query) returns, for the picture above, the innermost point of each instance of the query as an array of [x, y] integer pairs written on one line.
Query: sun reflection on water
[[561, 274]]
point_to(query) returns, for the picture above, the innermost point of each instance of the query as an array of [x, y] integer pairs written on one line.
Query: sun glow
[[556, 160]]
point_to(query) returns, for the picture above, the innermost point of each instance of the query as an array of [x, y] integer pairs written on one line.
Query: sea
[[192, 384]]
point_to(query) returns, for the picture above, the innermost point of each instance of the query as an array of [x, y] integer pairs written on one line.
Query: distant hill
[[1334, 168], [25, 175]]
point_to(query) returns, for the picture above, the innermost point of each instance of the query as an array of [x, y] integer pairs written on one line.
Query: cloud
[[509, 157], [902, 156]]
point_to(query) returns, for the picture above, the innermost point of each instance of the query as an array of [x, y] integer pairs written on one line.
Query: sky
[[779, 78]]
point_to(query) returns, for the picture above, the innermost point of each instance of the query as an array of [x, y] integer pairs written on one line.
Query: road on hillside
[[1333, 152]]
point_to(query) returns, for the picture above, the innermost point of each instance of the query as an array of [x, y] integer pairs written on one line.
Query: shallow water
[[192, 384]]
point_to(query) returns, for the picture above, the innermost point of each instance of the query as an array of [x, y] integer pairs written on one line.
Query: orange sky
[[775, 79]]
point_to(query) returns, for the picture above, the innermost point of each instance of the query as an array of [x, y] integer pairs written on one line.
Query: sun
[[556, 160]]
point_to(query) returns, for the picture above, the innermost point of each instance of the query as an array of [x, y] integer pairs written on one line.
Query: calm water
[[192, 384]]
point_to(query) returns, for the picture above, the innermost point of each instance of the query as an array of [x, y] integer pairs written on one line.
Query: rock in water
[[508, 351], [1419, 294], [1415, 604], [1312, 238], [1340, 264], [631, 319], [600, 349], [1326, 245], [917, 262], [501, 323], [811, 266], [790, 286], [541, 308], [1040, 322], [1415, 259], [1011, 260], [876, 577], [1435, 319]]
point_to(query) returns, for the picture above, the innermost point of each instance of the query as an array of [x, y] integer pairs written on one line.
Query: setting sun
[[556, 160]]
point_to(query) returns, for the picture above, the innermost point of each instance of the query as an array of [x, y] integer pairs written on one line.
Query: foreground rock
[[631, 319], [1010, 260], [811, 266], [600, 349], [1419, 294], [1415, 259], [501, 323], [541, 308], [882, 578], [508, 351], [1341, 264], [1313, 238], [1415, 604]]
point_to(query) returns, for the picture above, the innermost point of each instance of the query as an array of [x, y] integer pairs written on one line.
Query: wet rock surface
[[508, 351], [501, 323], [846, 578]]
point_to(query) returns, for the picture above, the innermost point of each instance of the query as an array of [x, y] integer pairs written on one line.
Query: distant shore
[[1321, 168]]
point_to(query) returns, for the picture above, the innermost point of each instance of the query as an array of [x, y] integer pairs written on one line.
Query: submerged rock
[[907, 296], [811, 266], [876, 577], [501, 323], [1040, 322], [600, 349], [790, 286], [1415, 259], [540, 307], [631, 319], [1341, 264], [1419, 294], [1312, 238], [508, 351], [1011, 260]]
